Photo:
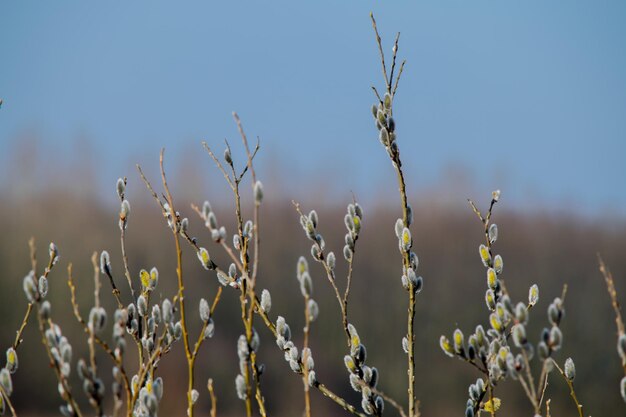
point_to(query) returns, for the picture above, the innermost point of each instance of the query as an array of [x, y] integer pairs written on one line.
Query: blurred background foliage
[[545, 246]]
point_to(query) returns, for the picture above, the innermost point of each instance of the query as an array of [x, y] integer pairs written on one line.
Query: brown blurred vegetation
[[549, 248]]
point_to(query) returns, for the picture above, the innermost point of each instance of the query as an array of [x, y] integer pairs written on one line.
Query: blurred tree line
[[546, 247]]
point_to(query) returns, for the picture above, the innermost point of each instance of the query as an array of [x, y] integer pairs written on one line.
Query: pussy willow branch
[[54, 365], [543, 378], [531, 393], [143, 372], [181, 287], [321, 387], [403, 197], [255, 301], [610, 285], [252, 270], [386, 397], [572, 393], [220, 241], [7, 401], [250, 157], [247, 284], [305, 345], [18, 336], [346, 293], [124, 254], [91, 339], [98, 340], [330, 274]]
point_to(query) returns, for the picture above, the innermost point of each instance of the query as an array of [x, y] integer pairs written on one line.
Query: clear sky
[[526, 96]]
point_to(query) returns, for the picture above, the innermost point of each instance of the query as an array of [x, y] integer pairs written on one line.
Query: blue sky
[[525, 96]]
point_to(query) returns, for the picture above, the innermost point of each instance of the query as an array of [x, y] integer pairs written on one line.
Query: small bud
[[492, 278], [556, 337], [247, 229], [30, 289], [5, 381], [621, 347], [156, 314], [211, 221], [495, 196], [205, 311], [387, 101], [266, 301], [350, 365], [570, 369], [446, 346], [554, 315], [258, 192], [124, 212], [498, 264], [306, 285], [493, 233], [490, 300], [121, 188], [209, 331], [280, 325], [194, 396], [142, 305], [97, 319], [178, 330], [43, 286], [44, 310], [205, 259], [313, 310], [184, 226], [485, 256], [168, 314], [240, 386], [227, 157], [206, 209], [312, 378], [313, 218], [459, 342], [533, 295], [405, 344], [154, 278], [331, 260], [418, 285], [105, 263], [347, 253], [355, 340], [54, 253], [519, 335], [406, 241], [12, 362], [495, 322], [398, 227]]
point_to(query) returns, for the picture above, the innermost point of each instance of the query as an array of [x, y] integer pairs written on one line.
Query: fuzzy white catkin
[[258, 192], [313, 310], [266, 301], [570, 369], [205, 311], [120, 188], [12, 361]]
